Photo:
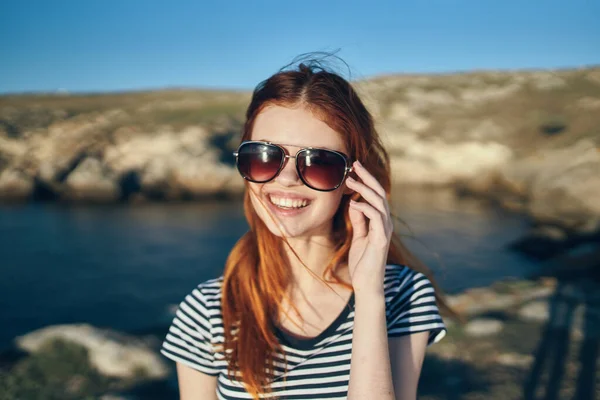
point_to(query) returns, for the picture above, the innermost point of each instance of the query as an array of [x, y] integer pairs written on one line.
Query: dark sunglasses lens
[[321, 169], [259, 162]]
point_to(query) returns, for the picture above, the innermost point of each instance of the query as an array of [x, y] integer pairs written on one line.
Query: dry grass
[[537, 113], [19, 113]]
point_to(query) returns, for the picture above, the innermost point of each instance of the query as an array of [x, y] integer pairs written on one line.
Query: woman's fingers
[[376, 222], [358, 221], [376, 209], [368, 194], [368, 179]]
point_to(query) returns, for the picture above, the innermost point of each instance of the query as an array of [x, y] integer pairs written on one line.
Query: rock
[[173, 165], [434, 162], [515, 360], [547, 80], [563, 185], [407, 117], [12, 147], [537, 311], [200, 177], [483, 327], [571, 198], [155, 179], [589, 103], [91, 181], [471, 130], [557, 187], [113, 354], [476, 96], [487, 129], [15, 185], [134, 151], [476, 301], [421, 99]]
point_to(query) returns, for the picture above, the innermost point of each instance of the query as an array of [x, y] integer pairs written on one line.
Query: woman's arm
[[370, 366], [406, 358], [370, 370], [195, 385], [382, 369]]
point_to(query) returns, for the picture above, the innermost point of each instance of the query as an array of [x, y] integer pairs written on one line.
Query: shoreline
[[507, 329], [526, 139]]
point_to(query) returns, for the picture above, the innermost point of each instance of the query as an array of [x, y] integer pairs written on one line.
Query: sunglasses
[[319, 169]]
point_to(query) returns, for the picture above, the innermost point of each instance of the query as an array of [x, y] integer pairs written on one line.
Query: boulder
[[173, 165], [483, 327], [91, 181], [537, 311], [571, 197], [499, 297], [15, 185], [515, 360], [114, 354], [421, 161], [562, 185]]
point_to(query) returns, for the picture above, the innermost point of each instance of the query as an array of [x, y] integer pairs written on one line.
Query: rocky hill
[[528, 139]]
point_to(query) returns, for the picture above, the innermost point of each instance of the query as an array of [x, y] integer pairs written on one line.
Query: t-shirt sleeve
[[412, 307], [189, 339]]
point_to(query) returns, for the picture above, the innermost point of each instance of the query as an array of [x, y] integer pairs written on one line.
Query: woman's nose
[[288, 175]]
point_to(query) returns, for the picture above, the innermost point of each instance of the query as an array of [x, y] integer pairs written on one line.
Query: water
[[122, 266]]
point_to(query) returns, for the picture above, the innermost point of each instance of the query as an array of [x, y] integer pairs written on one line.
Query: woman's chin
[[286, 231], [292, 231]]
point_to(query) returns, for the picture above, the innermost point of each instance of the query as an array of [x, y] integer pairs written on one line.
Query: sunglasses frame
[[347, 168]]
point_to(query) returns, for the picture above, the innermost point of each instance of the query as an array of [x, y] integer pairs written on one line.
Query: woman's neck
[[315, 252]]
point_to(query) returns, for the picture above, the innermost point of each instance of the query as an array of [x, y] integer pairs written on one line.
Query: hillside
[[518, 137]]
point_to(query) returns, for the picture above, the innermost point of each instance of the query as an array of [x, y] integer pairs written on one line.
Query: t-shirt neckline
[[309, 343]]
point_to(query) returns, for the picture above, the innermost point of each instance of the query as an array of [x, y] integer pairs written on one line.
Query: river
[[122, 266]]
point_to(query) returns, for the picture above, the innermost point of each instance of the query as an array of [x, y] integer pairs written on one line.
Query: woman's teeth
[[288, 203]]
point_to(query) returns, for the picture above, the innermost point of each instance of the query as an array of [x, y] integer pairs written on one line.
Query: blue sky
[[111, 45]]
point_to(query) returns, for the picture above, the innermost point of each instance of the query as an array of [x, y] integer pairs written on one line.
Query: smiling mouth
[[287, 203]]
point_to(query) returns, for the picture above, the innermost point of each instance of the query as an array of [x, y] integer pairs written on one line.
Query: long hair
[[257, 272]]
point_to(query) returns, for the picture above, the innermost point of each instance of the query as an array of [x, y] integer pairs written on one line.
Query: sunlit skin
[[380, 368], [295, 128], [309, 233]]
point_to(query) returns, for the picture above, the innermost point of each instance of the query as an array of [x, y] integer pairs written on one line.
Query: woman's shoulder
[[211, 288], [400, 272], [399, 278], [206, 294], [411, 304]]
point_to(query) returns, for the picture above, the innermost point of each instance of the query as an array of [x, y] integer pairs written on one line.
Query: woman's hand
[[370, 242]]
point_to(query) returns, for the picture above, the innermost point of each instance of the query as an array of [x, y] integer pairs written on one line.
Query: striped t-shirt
[[317, 368]]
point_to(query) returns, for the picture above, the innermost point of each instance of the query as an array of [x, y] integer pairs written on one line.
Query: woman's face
[[294, 129]]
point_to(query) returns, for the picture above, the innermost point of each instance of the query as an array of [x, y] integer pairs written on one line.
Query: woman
[[319, 299]]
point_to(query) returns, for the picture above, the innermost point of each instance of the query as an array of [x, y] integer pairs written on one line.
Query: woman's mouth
[[286, 203]]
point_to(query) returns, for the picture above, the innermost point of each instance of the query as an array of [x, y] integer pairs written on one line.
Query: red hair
[[257, 272]]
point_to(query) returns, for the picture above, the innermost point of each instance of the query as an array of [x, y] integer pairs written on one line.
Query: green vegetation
[[210, 114], [146, 110], [530, 109], [59, 371]]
